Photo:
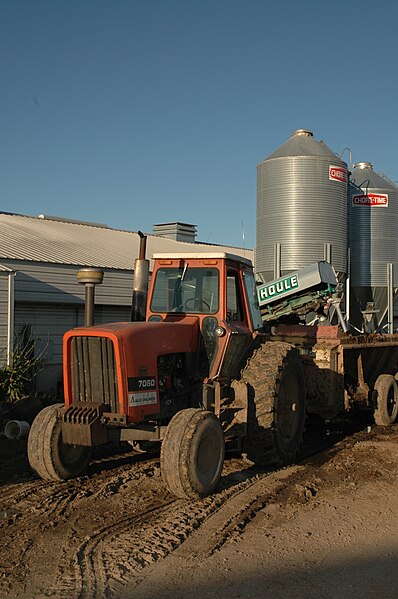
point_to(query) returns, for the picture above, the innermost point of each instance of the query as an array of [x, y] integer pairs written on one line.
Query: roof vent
[[302, 133], [363, 165], [176, 231]]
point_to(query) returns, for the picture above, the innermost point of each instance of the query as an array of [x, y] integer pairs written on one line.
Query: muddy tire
[[48, 455], [277, 404], [385, 397], [192, 453]]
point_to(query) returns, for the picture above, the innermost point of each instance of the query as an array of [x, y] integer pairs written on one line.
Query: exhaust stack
[[141, 278]]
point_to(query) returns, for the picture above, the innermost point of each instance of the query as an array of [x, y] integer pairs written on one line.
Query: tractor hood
[[126, 353], [177, 335]]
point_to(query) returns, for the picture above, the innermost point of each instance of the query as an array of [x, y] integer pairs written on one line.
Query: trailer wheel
[[48, 455], [385, 396], [192, 453], [277, 404]]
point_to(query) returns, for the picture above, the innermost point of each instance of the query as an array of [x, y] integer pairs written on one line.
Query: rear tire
[[192, 453], [386, 399], [277, 404], [48, 455]]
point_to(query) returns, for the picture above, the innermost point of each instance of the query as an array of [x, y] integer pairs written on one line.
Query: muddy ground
[[325, 528]]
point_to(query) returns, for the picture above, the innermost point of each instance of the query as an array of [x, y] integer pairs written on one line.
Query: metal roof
[[5, 269], [302, 143], [59, 242], [201, 255], [365, 177]]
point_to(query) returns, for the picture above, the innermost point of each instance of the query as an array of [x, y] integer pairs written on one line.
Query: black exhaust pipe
[[141, 278]]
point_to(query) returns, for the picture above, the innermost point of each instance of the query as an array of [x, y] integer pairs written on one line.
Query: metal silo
[[373, 241], [301, 207]]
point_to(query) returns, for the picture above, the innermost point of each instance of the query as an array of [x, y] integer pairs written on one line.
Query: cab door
[[238, 335]]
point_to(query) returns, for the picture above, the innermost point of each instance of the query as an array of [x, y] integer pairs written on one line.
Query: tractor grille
[[93, 371]]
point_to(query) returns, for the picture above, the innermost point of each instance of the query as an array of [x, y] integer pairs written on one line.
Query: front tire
[[192, 453], [48, 455]]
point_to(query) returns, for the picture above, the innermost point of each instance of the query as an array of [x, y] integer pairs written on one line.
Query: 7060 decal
[[141, 383]]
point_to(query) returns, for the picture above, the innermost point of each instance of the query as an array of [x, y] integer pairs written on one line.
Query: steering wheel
[[192, 300]]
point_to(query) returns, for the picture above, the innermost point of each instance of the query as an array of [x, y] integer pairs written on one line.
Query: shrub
[[15, 379]]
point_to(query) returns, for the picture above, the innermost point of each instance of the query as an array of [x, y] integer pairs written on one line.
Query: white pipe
[[390, 297], [348, 288], [347, 300], [327, 252], [17, 429], [277, 260], [340, 316], [10, 318]]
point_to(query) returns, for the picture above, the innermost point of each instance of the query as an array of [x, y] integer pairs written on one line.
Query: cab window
[[234, 298], [251, 294], [186, 290]]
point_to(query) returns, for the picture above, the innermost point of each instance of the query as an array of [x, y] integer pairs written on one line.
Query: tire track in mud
[[119, 523], [89, 571], [117, 555], [231, 520], [14, 495], [32, 512], [52, 498]]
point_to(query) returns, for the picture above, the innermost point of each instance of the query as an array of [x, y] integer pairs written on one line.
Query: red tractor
[[199, 372]]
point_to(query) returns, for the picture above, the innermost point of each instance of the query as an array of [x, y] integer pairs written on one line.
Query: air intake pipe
[[89, 277], [140, 286]]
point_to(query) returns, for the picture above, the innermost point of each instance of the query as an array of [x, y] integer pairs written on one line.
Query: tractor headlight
[[219, 331]]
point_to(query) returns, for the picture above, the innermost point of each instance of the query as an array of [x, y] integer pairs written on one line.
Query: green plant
[[14, 380]]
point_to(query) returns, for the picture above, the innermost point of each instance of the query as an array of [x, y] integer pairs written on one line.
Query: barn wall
[[44, 325], [3, 316], [42, 282], [48, 302]]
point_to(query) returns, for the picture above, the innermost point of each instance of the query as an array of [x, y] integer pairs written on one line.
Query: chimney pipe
[[89, 277], [141, 278]]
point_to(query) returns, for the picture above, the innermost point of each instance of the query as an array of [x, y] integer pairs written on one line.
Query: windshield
[[188, 289]]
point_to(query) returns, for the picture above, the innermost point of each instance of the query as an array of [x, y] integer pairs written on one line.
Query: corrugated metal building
[[39, 293]]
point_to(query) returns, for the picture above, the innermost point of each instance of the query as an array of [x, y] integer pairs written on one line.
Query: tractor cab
[[217, 290]]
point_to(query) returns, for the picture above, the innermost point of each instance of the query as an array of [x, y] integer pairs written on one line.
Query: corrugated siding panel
[[373, 238], [42, 282], [3, 317], [48, 323]]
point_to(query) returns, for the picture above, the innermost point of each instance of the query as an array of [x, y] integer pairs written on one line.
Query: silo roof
[[366, 177], [303, 145]]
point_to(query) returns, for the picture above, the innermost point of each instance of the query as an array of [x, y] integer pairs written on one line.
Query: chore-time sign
[[269, 292]]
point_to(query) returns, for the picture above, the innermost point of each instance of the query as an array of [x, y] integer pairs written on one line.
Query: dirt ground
[[325, 528]]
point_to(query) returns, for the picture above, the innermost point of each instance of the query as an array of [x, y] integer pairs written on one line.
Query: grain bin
[[301, 205], [373, 241]]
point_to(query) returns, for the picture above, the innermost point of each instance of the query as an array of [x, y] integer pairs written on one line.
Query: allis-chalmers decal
[[142, 391], [338, 173], [371, 199]]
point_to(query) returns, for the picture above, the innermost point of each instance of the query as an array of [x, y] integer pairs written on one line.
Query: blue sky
[[138, 112]]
